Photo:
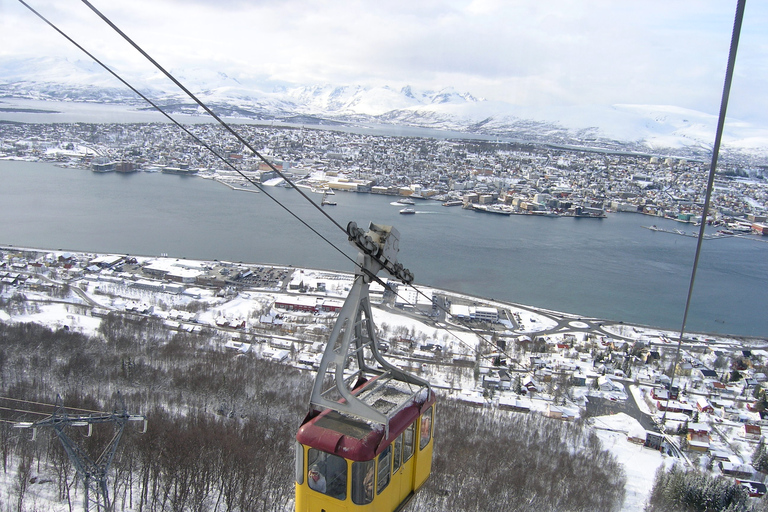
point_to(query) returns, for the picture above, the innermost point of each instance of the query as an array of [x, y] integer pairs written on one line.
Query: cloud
[[559, 52]]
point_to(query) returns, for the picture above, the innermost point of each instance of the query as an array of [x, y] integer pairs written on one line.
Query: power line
[[24, 411], [48, 405]]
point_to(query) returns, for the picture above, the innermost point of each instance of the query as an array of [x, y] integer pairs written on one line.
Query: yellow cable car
[[367, 446], [344, 463]]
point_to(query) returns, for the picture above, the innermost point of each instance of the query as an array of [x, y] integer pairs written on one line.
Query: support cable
[[246, 144], [113, 73], [211, 112], [712, 168]]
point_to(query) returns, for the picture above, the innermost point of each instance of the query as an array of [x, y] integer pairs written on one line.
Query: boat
[[492, 208], [544, 213], [179, 170], [406, 211], [326, 201], [453, 202], [406, 200]]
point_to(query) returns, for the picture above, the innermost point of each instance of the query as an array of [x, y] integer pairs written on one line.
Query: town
[[703, 406], [488, 176]]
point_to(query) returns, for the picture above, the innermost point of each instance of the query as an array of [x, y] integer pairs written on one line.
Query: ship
[[406, 200], [407, 211], [326, 201], [179, 170], [491, 208]]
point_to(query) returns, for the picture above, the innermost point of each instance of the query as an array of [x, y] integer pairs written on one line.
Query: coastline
[[612, 269], [566, 321]]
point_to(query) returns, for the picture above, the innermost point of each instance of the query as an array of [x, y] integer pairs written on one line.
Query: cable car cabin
[[366, 443], [344, 463]]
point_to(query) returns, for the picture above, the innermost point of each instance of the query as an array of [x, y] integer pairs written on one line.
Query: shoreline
[[577, 322], [514, 269], [214, 176]]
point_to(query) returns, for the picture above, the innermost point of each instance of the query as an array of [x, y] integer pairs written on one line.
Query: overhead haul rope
[[249, 146], [712, 168], [479, 334]]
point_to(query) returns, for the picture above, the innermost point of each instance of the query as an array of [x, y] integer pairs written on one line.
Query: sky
[[532, 53]]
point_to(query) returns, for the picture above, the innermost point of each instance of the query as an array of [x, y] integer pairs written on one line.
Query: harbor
[[609, 269], [719, 234]]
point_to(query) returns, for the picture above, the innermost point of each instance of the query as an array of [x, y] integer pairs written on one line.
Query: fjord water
[[610, 268]]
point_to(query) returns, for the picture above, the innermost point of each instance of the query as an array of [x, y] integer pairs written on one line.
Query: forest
[[679, 489], [221, 426]]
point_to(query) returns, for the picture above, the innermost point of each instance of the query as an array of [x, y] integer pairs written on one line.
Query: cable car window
[[327, 473], [362, 482], [426, 429], [397, 454], [385, 462], [408, 442], [299, 468]]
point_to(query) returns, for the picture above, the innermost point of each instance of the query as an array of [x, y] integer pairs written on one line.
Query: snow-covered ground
[[249, 321], [640, 464]]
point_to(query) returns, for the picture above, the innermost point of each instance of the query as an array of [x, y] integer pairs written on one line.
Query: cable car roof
[[357, 439]]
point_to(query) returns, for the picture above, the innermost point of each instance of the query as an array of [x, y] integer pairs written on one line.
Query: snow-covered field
[[249, 321]]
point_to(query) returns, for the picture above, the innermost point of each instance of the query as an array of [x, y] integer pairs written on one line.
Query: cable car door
[[405, 473]]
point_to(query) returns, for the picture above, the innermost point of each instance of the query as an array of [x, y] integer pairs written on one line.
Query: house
[[684, 368], [698, 437], [705, 374], [751, 431], [559, 413], [703, 405], [735, 470], [505, 380], [507, 403], [674, 406], [750, 383], [654, 440], [578, 379], [491, 381], [606, 384], [531, 386], [755, 489], [719, 455]]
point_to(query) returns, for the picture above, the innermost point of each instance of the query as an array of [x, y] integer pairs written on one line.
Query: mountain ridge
[[639, 127]]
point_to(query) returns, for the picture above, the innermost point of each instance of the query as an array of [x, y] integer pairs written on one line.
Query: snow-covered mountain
[[653, 128]]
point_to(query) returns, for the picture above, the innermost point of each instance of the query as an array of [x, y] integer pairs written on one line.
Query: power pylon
[[93, 473]]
